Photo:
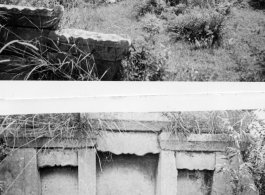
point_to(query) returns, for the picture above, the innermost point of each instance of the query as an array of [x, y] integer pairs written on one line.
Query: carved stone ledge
[[109, 47], [30, 17]]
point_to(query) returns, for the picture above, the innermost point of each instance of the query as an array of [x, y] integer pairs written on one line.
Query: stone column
[[166, 174], [87, 171], [32, 176]]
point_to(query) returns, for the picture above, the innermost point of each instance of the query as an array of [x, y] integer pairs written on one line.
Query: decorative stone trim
[[30, 17], [108, 47], [53, 158]]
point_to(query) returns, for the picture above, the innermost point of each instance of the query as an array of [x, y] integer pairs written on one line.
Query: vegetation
[[175, 40]]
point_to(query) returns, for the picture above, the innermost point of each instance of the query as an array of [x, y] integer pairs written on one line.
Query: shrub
[[199, 27]]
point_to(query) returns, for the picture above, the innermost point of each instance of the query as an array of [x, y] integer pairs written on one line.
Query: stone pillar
[[20, 174], [32, 176], [87, 171], [166, 174]]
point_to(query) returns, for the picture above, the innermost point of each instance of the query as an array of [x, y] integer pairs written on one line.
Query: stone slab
[[195, 160], [45, 142], [87, 172], [128, 143], [167, 174], [109, 47], [57, 158], [196, 142], [31, 17]]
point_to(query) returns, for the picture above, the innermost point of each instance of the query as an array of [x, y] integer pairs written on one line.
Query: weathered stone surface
[[195, 160], [45, 142], [57, 158], [109, 47], [32, 176], [59, 180], [195, 142], [19, 173], [30, 17], [11, 172], [128, 143], [166, 174], [152, 122], [87, 172], [126, 174]]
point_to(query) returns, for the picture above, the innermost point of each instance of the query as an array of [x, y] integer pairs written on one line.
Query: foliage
[[145, 63], [212, 122], [199, 27]]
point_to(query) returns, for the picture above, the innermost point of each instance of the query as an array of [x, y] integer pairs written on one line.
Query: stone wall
[[39, 26], [119, 162]]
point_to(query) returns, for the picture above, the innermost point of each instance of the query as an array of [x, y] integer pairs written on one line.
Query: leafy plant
[[200, 27]]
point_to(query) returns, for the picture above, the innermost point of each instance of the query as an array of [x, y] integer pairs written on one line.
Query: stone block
[[195, 142], [46, 142], [87, 172], [167, 174], [195, 160], [31, 17], [128, 143], [108, 47], [57, 158]]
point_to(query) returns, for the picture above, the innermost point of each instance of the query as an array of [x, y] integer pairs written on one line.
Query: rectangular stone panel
[[139, 143], [59, 180], [57, 158], [46, 142], [87, 171], [195, 160], [195, 142], [126, 174]]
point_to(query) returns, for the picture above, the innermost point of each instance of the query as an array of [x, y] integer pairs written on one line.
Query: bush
[[200, 27]]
